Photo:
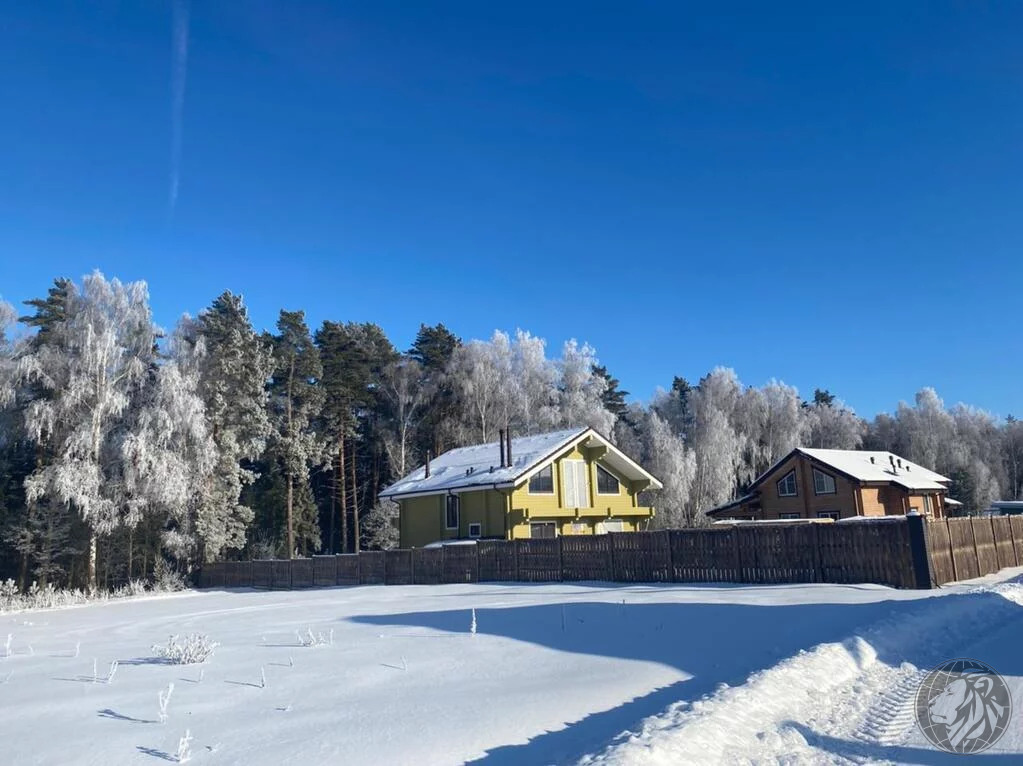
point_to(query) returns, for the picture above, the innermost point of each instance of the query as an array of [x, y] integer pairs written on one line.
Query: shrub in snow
[[164, 699], [184, 753], [317, 639], [191, 650], [166, 578], [49, 597]]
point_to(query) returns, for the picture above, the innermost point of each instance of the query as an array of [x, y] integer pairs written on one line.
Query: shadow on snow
[[713, 643]]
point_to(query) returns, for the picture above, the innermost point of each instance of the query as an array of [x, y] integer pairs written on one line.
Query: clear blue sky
[[827, 196]]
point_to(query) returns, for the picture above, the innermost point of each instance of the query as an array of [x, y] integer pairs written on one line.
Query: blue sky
[[825, 195]]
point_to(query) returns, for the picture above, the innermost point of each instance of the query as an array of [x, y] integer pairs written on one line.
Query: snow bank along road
[[555, 673]]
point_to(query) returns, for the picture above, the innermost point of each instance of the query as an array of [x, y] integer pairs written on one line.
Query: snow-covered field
[[554, 673]]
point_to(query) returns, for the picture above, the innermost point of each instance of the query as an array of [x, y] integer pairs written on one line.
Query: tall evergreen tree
[[433, 349], [296, 399], [614, 397], [234, 368], [353, 356]]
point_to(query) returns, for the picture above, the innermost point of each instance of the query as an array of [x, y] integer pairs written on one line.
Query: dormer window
[[823, 484], [787, 485]]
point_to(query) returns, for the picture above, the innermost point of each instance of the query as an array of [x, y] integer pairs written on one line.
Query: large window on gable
[[787, 485], [823, 484], [542, 482], [607, 483]]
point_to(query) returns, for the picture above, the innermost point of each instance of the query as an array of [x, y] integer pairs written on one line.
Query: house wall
[[873, 501], [807, 503], [421, 519], [624, 505]]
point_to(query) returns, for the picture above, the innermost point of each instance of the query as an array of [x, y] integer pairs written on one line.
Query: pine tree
[[233, 372], [354, 356], [296, 399], [433, 349], [614, 397]]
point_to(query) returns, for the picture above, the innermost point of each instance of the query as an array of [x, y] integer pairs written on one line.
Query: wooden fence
[[971, 546], [901, 552]]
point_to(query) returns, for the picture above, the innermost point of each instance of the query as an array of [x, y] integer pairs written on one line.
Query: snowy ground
[[555, 674]]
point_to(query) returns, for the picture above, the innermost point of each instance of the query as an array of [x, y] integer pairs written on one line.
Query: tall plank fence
[[972, 546], [903, 552]]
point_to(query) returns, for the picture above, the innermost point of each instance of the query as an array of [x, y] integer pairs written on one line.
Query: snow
[[554, 673], [856, 463], [449, 470]]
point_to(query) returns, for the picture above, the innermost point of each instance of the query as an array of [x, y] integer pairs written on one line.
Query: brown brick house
[[827, 483]]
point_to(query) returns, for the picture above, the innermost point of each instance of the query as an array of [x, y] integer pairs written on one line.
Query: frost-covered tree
[[581, 392], [667, 457], [169, 458], [533, 386], [832, 425], [93, 371], [481, 373], [380, 527], [295, 402], [234, 364], [718, 446], [1013, 457], [403, 393], [927, 430]]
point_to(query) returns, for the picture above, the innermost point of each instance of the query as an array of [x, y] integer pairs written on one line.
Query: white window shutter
[[582, 485], [568, 483]]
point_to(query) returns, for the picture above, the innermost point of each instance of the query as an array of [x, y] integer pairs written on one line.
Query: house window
[[789, 516], [607, 484], [542, 482], [827, 515], [787, 485], [476, 529], [927, 505], [542, 530], [611, 525], [822, 483], [451, 512], [574, 484]]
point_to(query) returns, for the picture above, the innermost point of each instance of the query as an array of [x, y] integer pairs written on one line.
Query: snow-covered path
[[701, 673], [846, 702]]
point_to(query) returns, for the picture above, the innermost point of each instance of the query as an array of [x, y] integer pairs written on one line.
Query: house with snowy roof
[[838, 484], [571, 482]]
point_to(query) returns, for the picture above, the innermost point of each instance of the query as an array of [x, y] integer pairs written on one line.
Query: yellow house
[[572, 482]]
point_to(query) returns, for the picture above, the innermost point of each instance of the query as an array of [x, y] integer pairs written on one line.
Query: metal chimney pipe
[[501, 432], [427, 464], [507, 450]]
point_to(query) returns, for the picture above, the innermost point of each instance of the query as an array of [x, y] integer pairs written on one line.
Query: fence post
[[561, 560], [918, 551], [818, 563]]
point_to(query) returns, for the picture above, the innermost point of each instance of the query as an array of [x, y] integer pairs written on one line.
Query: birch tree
[[93, 372], [402, 389], [669, 459], [581, 392]]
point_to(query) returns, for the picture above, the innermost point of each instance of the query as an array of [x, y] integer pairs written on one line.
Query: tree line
[[128, 452]]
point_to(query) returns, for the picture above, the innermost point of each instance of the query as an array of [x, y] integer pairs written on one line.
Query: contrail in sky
[[179, 74]]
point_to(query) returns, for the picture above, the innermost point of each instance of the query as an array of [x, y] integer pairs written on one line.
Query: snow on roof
[[480, 465], [877, 466], [951, 501]]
